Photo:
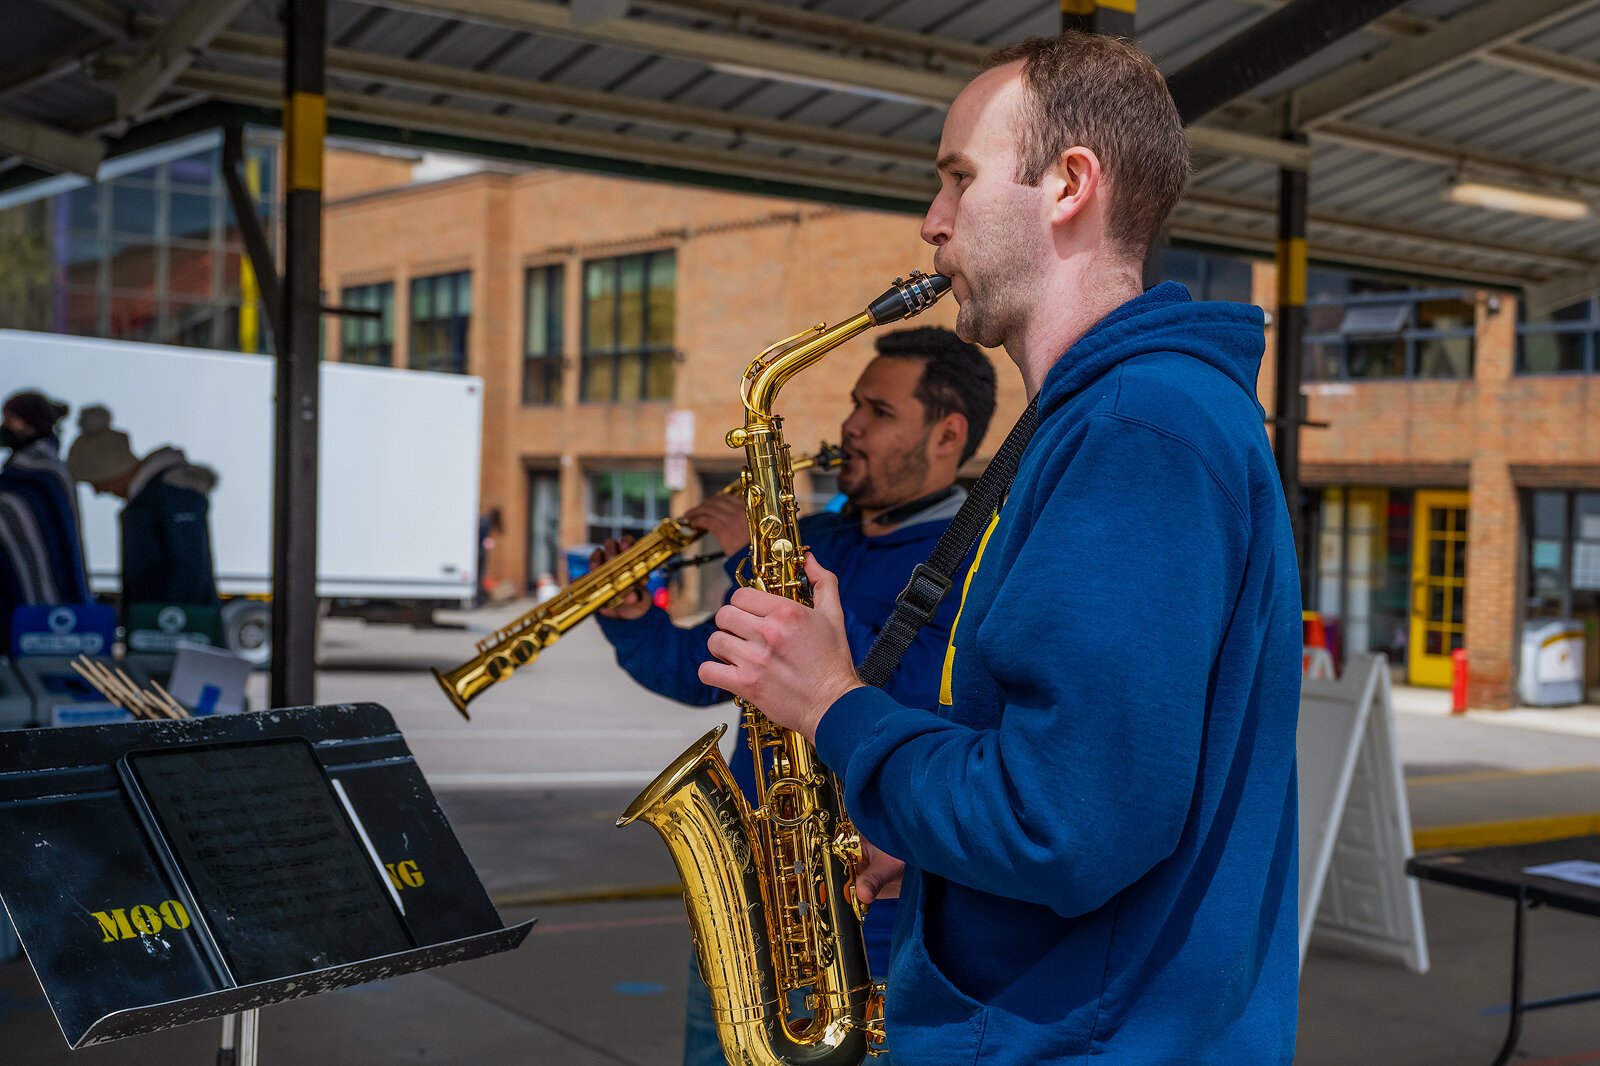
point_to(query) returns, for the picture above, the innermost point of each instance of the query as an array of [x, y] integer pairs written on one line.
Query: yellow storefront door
[[1438, 586]]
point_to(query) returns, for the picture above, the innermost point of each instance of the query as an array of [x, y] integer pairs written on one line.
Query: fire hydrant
[[1458, 681]]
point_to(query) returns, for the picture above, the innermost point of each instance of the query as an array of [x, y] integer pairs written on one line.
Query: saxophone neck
[[773, 368]]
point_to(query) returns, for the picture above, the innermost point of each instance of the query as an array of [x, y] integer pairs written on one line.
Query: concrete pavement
[[535, 782]]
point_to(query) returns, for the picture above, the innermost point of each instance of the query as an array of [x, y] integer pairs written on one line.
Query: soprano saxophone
[[770, 890], [520, 641]]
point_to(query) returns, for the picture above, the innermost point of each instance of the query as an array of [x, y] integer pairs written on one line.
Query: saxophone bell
[[770, 888]]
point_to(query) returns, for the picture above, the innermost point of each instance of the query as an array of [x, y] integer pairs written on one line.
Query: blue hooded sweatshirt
[[871, 571], [1100, 828]]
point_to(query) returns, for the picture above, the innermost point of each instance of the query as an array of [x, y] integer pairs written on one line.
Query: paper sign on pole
[[680, 431], [675, 472]]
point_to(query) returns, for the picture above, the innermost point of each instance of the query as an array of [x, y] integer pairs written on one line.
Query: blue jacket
[[872, 570], [1102, 823], [41, 543]]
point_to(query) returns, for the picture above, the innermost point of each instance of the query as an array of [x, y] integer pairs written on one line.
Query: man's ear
[[1073, 182], [950, 435]]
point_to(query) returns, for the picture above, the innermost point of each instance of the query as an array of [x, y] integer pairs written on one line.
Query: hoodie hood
[[1228, 336], [173, 467]]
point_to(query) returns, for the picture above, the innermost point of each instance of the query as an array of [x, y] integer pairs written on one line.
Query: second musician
[[918, 412]]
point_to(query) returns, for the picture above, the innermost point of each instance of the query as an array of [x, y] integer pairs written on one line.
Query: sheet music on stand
[[190, 869]]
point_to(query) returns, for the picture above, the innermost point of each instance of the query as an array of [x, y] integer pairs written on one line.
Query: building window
[[1563, 342], [1360, 334], [625, 502], [1363, 588], [152, 253], [1563, 537], [541, 336], [367, 338], [1207, 275], [441, 312], [628, 307], [1563, 530]]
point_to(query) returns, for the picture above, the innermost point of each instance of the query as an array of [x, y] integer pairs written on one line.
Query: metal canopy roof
[[843, 99]]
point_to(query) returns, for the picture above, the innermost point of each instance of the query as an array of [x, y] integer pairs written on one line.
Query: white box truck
[[397, 517]]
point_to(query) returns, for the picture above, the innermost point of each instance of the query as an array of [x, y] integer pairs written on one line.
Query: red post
[[1458, 681]]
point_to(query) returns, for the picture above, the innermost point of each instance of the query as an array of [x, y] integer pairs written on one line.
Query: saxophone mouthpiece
[[908, 297]]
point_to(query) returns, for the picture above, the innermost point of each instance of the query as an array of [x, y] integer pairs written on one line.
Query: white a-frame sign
[[1355, 827]]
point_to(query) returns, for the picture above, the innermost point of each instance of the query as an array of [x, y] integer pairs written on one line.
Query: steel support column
[[1266, 49], [1111, 17], [294, 518], [1289, 406]]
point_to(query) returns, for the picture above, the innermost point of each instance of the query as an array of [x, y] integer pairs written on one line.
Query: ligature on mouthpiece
[[908, 297]]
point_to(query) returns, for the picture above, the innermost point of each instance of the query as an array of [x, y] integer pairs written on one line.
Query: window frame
[[1412, 337], [459, 283], [614, 522], [362, 298], [617, 355], [1588, 328], [546, 367]]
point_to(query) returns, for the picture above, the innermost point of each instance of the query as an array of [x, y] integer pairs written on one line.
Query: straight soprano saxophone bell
[[521, 641]]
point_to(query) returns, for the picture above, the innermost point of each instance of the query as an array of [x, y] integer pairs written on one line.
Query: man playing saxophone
[[918, 411], [1098, 826]]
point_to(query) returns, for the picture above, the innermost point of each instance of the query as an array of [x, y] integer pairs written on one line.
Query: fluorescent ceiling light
[[1522, 201]]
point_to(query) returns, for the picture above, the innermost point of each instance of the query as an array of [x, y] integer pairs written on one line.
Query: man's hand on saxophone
[[793, 662], [721, 516], [631, 604], [724, 518], [790, 660], [878, 874]]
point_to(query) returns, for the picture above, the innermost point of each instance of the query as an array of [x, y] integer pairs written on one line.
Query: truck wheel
[[247, 630]]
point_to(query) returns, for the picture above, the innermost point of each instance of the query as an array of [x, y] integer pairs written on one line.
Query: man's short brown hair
[[1103, 94]]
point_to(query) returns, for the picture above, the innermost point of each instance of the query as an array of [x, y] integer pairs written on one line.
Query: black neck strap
[[895, 515]]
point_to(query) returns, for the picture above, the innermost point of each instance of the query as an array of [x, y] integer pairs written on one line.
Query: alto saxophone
[[520, 641], [770, 890]]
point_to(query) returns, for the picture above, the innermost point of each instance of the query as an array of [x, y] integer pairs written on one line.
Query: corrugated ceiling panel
[[1579, 35], [1186, 32], [989, 21], [1470, 85], [1439, 9], [76, 97], [34, 31], [1490, 107], [660, 80]]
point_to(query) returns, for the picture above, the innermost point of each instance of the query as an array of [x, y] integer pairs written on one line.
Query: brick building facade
[[745, 271], [594, 307]]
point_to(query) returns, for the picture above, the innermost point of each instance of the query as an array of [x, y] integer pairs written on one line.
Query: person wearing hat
[[166, 534], [41, 541]]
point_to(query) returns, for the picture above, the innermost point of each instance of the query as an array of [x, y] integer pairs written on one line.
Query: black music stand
[[161, 873]]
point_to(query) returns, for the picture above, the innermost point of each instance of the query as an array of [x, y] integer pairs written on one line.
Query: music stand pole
[[249, 1030], [239, 1039]]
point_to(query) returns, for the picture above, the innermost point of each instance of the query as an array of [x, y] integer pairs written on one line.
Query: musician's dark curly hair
[[956, 377]]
